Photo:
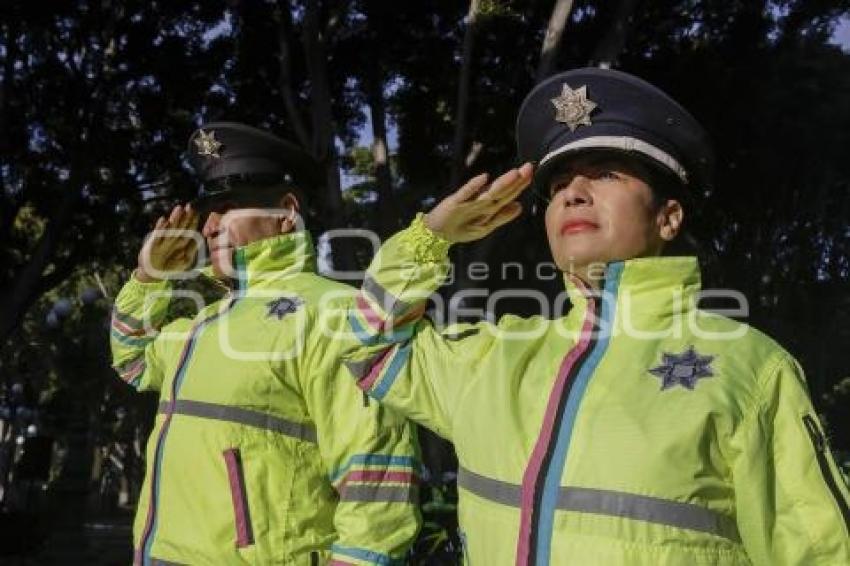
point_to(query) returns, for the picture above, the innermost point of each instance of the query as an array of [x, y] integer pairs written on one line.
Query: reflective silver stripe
[[241, 416], [649, 509], [614, 503], [624, 143], [384, 493], [488, 488], [391, 305]]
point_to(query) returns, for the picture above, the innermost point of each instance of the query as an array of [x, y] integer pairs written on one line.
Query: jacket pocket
[[822, 455], [239, 495]]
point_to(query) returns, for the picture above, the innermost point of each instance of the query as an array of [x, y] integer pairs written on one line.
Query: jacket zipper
[[239, 495], [148, 532], [564, 398], [819, 443]]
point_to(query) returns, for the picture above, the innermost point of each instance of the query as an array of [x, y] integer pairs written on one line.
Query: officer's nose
[[577, 191], [212, 226]]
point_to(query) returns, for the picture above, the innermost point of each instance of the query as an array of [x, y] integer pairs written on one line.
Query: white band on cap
[[623, 143]]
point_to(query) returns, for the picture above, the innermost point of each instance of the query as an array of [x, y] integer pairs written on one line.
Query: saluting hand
[[165, 252], [477, 209]]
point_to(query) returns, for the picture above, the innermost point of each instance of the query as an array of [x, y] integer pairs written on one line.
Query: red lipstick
[[576, 226]]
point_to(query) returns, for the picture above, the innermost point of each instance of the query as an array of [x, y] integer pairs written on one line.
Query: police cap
[[594, 109], [242, 164]]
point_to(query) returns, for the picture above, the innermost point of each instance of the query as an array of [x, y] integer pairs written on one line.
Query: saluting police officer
[[637, 429], [259, 453]]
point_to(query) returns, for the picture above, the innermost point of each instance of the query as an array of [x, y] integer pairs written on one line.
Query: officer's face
[[602, 209], [230, 226]]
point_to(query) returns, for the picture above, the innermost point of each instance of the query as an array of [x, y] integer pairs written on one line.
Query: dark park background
[[400, 102]]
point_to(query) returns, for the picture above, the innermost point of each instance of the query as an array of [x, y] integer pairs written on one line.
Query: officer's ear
[[289, 222], [290, 200], [669, 219]]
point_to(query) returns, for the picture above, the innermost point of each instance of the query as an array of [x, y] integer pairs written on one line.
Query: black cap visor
[[225, 199]]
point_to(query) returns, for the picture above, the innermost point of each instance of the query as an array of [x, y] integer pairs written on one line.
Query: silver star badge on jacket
[[683, 369], [283, 306], [207, 144], [572, 107]]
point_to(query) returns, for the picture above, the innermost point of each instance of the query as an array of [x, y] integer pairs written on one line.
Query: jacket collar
[[641, 289], [274, 259]]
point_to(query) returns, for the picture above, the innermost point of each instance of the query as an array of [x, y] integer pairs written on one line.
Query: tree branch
[[27, 284]]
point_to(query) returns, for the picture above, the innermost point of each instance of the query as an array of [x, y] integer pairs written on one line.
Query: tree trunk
[[552, 40], [323, 146], [388, 213], [458, 145], [607, 51], [284, 19]]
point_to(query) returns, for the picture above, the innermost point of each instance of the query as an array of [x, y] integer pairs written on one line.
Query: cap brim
[[543, 173], [255, 198]]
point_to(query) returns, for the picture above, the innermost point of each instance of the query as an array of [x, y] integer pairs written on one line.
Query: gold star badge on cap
[[573, 107], [207, 144]]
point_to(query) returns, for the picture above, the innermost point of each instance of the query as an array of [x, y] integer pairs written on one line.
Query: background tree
[[398, 104]]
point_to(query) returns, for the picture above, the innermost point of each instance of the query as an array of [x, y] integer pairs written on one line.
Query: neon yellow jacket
[[263, 452], [635, 430]]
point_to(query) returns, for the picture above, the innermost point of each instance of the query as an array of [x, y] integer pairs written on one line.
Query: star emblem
[[572, 107], [283, 306], [683, 369], [207, 144]]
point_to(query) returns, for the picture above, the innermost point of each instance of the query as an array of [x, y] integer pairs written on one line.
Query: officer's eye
[[557, 186], [608, 175], [561, 182]]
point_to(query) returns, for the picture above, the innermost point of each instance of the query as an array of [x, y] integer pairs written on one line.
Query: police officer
[[259, 453], [637, 429]]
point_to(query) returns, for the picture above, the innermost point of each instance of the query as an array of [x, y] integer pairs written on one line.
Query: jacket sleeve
[[137, 316], [792, 503], [399, 358], [372, 459]]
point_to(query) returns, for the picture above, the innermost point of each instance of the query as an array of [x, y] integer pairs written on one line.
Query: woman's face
[[231, 226], [603, 210]]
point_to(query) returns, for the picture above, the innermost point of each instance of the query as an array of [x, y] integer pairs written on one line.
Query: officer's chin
[[576, 257]]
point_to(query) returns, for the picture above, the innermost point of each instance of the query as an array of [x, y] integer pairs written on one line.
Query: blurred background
[[400, 102]]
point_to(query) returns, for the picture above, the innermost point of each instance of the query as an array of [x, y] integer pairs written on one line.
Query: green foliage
[[359, 161], [496, 8]]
